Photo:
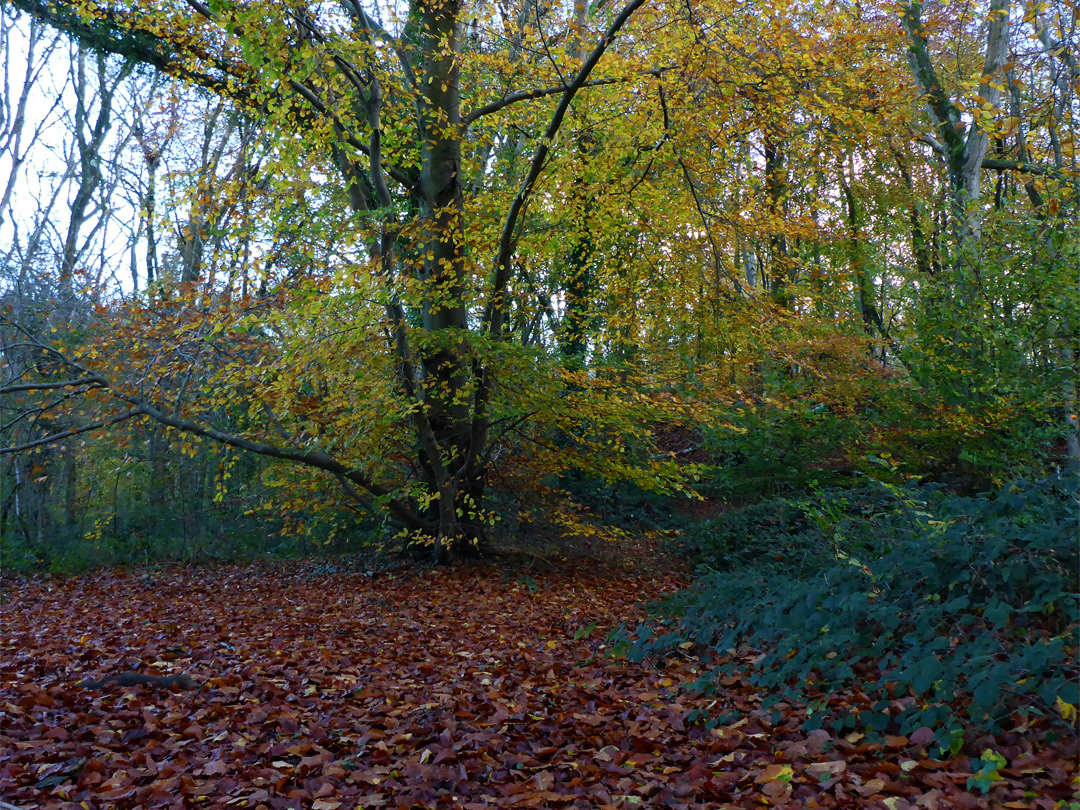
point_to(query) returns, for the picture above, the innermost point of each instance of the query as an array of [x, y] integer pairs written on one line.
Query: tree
[[385, 104], [434, 254], [965, 131]]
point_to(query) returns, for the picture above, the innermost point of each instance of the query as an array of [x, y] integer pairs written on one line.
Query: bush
[[780, 450], [792, 534], [946, 611]]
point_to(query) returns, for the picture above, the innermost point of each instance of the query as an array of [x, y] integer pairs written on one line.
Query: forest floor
[[464, 687]]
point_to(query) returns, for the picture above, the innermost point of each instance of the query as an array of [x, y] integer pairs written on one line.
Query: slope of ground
[[445, 688]]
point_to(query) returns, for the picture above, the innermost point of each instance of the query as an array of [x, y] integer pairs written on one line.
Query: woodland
[[471, 403]]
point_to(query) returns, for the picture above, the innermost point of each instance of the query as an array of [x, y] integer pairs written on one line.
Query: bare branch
[[527, 95]]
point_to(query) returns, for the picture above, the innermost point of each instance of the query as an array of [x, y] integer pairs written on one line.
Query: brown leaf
[[832, 768], [922, 736]]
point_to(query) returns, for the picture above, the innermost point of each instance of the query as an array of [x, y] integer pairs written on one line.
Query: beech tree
[[474, 250], [385, 102]]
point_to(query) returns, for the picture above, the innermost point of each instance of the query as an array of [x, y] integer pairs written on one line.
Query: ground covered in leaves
[[447, 688]]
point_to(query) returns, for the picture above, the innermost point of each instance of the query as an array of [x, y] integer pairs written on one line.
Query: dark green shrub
[[780, 450], [947, 611], [740, 536], [791, 533]]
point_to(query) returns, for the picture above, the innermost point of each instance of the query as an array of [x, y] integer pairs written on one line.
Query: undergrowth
[[947, 612]]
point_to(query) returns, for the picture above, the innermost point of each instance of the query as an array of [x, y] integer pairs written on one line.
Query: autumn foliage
[[442, 259], [586, 283]]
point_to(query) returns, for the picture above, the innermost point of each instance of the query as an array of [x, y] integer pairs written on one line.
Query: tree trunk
[[864, 285], [776, 192], [446, 374], [963, 156]]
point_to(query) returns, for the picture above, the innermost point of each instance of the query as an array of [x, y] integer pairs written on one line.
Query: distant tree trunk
[[963, 155], [1072, 436], [578, 288], [864, 285], [1065, 74], [152, 157], [776, 193], [920, 245], [90, 137], [71, 488], [157, 447]]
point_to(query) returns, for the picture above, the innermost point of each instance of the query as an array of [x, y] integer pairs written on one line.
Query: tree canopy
[[455, 261]]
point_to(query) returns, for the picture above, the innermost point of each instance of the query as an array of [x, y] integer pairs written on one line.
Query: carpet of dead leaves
[[438, 688]]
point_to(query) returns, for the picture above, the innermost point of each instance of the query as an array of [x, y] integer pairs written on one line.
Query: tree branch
[[93, 382], [717, 264], [364, 20], [111, 35], [998, 165], [527, 95], [945, 114], [1019, 166], [494, 312], [67, 434], [317, 459], [114, 34], [313, 99]]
